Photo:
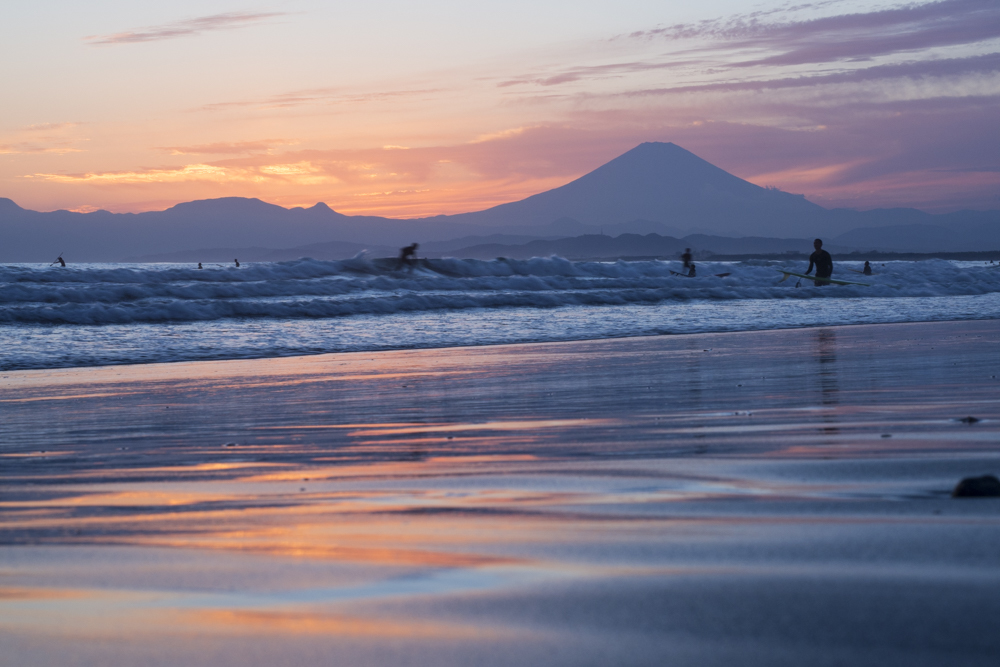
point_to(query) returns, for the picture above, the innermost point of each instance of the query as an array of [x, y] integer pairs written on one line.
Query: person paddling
[[822, 261], [60, 261]]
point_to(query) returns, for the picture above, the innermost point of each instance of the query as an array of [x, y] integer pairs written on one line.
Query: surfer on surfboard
[[407, 257], [822, 261]]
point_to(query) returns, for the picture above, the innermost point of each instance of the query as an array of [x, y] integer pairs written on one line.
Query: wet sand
[[760, 498]]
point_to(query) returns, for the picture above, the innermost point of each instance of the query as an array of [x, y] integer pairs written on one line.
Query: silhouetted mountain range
[[655, 188]]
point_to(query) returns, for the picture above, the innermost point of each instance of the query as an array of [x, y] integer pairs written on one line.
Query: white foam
[[151, 293]]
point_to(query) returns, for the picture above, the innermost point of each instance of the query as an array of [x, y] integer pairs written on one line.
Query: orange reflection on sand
[[303, 622], [405, 428], [180, 471], [66, 397], [138, 498], [523, 425], [24, 593], [275, 543], [336, 426]]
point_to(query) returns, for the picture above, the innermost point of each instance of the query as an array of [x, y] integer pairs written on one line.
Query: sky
[[410, 109]]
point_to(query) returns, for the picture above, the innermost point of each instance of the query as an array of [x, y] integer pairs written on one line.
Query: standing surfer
[[686, 257], [822, 261], [407, 257]]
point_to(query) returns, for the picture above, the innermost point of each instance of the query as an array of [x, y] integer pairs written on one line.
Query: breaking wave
[[302, 289]]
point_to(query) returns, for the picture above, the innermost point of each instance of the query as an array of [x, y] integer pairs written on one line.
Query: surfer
[[199, 265], [407, 257], [868, 269], [687, 258], [60, 260], [822, 261], [237, 263]]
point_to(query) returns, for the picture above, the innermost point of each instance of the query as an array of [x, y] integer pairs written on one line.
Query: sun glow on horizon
[[828, 100]]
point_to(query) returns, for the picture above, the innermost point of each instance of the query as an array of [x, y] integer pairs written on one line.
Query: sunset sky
[[407, 109]]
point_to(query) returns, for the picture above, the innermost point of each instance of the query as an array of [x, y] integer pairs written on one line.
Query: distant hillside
[[954, 232]]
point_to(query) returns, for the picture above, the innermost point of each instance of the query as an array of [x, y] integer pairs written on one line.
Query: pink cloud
[[186, 28]]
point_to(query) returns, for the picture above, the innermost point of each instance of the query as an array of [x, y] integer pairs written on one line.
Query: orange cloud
[[222, 148], [300, 172]]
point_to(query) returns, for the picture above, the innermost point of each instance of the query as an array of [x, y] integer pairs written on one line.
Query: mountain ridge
[[655, 187]]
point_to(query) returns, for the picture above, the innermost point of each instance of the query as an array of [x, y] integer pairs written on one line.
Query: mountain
[[663, 183], [655, 188]]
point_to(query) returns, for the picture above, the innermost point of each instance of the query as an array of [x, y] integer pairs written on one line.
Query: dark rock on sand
[[977, 487]]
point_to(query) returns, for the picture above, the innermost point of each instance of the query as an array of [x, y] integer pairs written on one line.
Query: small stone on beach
[[987, 486]]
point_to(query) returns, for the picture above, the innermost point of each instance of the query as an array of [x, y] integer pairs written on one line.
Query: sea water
[[99, 314]]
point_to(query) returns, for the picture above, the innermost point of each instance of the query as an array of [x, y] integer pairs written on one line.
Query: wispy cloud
[[713, 49], [849, 36], [29, 148], [301, 172], [227, 148], [951, 68], [41, 138], [607, 70], [49, 127], [325, 96], [185, 28]]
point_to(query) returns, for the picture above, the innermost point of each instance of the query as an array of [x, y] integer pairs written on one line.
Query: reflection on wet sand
[[501, 504]]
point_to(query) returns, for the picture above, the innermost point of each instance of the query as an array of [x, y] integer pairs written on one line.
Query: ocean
[[106, 314]]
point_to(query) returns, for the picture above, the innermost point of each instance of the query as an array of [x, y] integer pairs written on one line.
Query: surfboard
[[822, 280], [685, 275]]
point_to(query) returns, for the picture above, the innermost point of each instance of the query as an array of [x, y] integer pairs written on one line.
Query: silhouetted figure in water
[[407, 257], [59, 260], [199, 265], [691, 273], [822, 261], [237, 263], [686, 257], [867, 270]]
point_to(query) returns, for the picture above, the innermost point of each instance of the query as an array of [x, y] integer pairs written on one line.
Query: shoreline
[[489, 345]]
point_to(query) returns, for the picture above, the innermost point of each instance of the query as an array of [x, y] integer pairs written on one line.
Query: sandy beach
[[755, 498]]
